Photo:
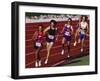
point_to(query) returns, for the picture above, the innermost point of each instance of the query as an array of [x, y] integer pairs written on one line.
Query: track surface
[[55, 58]]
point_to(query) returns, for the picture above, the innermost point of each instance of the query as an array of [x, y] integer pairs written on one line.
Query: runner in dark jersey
[[51, 36], [67, 32], [38, 38]]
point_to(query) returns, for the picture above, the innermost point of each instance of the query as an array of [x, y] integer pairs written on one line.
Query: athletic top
[[52, 33], [83, 26], [39, 36], [67, 30]]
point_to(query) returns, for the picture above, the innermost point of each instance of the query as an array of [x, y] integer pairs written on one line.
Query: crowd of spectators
[[44, 18]]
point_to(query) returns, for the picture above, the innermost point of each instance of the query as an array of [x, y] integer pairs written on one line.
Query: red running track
[[55, 56]]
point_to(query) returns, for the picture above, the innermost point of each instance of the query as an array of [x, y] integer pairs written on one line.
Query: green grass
[[79, 61]]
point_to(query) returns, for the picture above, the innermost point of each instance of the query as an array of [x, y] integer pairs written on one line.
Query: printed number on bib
[[51, 36], [82, 32], [38, 44], [67, 33]]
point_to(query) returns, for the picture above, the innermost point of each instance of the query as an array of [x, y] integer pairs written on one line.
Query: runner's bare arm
[[63, 28], [45, 30], [71, 30], [57, 34], [34, 35], [87, 30]]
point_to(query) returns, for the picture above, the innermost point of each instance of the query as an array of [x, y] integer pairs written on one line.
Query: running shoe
[[39, 62], [46, 61], [62, 52]]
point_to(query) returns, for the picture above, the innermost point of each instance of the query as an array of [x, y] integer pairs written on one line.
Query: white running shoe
[[68, 56], [81, 49], [40, 63], [75, 43], [62, 52], [46, 61], [36, 64]]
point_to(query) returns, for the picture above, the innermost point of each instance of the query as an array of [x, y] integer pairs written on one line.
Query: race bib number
[[82, 32], [67, 33], [38, 44], [50, 36]]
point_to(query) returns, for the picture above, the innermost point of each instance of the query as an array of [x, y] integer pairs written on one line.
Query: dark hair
[[69, 19], [53, 22], [84, 16], [41, 26]]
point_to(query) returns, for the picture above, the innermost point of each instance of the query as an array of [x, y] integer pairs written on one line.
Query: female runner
[[67, 33], [82, 30], [38, 38], [51, 36]]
